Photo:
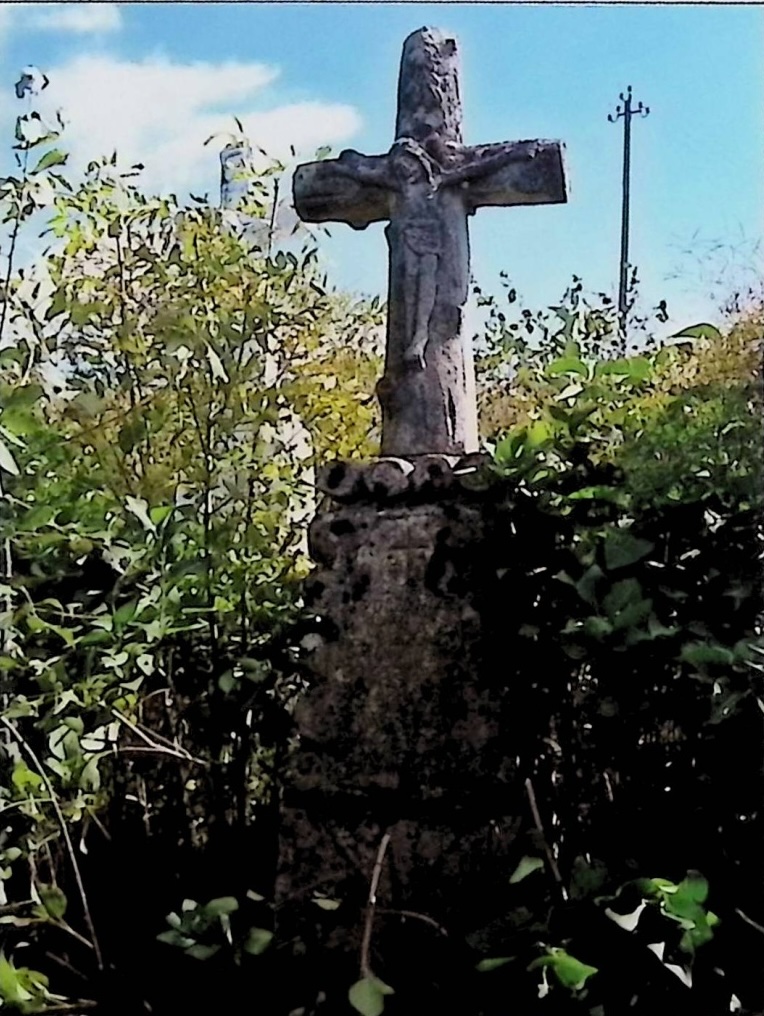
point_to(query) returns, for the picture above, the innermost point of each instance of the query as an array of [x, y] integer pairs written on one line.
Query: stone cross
[[425, 187]]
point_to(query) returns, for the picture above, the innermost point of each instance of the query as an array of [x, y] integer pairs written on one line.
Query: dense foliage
[[165, 390]]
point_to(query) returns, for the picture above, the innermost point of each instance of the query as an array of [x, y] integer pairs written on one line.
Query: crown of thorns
[[408, 146]]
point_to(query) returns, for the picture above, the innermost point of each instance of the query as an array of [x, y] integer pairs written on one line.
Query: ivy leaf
[[367, 996], [692, 889], [623, 549], [570, 972], [623, 594]]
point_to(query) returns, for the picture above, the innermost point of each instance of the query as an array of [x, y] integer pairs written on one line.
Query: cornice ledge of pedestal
[[390, 478]]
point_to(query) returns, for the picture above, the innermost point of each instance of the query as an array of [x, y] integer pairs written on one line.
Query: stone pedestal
[[400, 732]]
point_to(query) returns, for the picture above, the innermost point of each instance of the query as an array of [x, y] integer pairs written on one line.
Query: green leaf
[[567, 365], [599, 493], [175, 937], [23, 397], [570, 972], [24, 780], [227, 682], [367, 996], [597, 627], [90, 777], [623, 549], [526, 867], [57, 305], [493, 963], [704, 654], [325, 904], [539, 432], [622, 594], [655, 887], [694, 888], [221, 905], [257, 941], [10, 987], [586, 585], [37, 518], [701, 331], [202, 952], [635, 368], [160, 513], [55, 157], [131, 435], [53, 900]]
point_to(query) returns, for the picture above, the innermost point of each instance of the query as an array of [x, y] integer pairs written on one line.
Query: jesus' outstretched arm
[[373, 169], [486, 163]]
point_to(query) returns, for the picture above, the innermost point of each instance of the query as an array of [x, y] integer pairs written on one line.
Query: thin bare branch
[[371, 907], [749, 920], [64, 832], [414, 916], [547, 849]]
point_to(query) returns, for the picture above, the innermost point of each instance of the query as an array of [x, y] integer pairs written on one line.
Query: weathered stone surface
[[401, 729], [392, 479], [426, 186], [340, 480], [389, 478]]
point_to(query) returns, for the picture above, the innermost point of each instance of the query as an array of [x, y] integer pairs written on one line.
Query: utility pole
[[625, 112]]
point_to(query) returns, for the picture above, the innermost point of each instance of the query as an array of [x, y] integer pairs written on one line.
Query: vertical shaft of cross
[[625, 113]]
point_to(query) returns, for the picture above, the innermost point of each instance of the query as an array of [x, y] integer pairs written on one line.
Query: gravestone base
[[400, 731]]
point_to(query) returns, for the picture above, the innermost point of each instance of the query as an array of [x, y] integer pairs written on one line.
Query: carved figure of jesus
[[418, 177]]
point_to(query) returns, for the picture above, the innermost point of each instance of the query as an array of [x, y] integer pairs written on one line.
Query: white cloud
[[6, 20], [77, 17], [160, 113]]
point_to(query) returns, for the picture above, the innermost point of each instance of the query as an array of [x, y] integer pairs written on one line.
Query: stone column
[[400, 732]]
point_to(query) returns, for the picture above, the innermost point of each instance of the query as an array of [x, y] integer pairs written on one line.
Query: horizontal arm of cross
[[355, 189], [512, 173]]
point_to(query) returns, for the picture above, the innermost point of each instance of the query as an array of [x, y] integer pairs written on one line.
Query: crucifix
[[425, 187]]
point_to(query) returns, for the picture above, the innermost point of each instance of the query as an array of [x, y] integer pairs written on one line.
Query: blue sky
[[154, 80]]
